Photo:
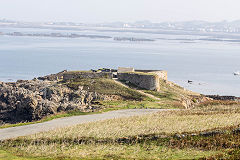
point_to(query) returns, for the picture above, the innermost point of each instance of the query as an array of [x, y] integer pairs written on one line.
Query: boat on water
[[236, 73]]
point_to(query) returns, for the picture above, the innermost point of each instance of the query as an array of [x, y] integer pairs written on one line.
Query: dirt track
[[14, 132]]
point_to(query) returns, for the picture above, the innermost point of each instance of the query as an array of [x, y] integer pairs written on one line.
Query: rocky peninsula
[[91, 91]]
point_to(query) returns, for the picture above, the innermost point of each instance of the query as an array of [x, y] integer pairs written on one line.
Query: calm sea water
[[209, 64]]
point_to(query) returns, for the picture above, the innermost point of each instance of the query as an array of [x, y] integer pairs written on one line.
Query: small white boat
[[236, 73]]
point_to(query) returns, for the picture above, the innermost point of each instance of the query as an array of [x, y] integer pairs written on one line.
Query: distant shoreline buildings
[[200, 26]]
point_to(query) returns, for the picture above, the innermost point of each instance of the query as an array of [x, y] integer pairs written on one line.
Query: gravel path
[[141, 92], [8, 133]]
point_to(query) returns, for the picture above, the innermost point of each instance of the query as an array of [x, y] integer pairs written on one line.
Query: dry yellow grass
[[109, 151], [160, 123]]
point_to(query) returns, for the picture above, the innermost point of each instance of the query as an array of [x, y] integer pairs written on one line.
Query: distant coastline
[[74, 35]]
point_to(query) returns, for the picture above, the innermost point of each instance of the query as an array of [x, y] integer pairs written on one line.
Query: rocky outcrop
[[224, 98], [34, 99]]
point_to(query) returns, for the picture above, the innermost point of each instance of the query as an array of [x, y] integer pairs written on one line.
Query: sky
[[96, 11]]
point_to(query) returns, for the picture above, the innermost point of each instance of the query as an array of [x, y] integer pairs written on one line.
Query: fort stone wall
[[145, 81]]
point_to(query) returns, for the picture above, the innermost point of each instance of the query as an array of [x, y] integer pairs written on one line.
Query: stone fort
[[145, 79]]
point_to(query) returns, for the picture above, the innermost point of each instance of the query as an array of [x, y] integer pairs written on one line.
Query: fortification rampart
[[146, 81], [65, 75], [74, 75], [161, 74]]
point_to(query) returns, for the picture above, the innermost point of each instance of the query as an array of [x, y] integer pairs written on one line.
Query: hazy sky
[[92, 11]]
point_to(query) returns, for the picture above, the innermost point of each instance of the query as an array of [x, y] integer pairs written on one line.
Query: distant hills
[[202, 26]]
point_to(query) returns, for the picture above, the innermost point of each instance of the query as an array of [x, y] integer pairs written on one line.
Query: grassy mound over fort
[[106, 87], [188, 134]]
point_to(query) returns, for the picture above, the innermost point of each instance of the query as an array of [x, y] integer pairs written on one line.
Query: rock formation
[[34, 99]]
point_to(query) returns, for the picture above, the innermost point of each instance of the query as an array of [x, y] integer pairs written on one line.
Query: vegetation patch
[[166, 95], [151, 104], [217, 103]]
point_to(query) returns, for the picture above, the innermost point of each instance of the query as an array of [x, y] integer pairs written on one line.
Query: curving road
[[14, 132]]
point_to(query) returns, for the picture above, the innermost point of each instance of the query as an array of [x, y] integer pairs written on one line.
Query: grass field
[[164, 135]]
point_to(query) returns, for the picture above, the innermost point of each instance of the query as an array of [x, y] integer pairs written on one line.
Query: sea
[[207, 62]]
